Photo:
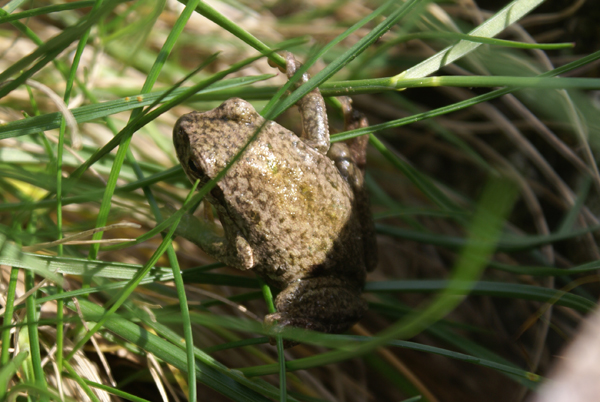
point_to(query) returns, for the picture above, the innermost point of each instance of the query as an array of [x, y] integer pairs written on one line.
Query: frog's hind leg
[[324, 304]]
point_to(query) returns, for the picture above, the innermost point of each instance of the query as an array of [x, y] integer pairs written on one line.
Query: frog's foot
[[353, 119], [323, 304], [341, 154]]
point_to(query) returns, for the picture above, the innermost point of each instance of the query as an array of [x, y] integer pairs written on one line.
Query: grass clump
[[481, 171]]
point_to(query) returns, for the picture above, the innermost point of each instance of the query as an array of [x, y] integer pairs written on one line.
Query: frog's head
[[206, 142], [184, 138]]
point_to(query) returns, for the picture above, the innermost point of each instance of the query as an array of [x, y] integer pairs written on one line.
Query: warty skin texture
[[292, 208]]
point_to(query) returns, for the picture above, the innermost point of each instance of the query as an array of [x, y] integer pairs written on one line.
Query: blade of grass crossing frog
[[122, 152], [208, 186], [341, 61], [268, 112], [87, 113], [142, 120], [497, 200]]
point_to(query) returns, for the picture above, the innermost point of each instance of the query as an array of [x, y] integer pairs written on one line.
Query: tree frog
[[292, 208]]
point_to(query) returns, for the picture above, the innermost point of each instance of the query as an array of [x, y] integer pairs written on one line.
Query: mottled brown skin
[[292, 208]]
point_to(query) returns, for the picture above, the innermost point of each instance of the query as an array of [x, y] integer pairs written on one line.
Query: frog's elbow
[[244, 252]]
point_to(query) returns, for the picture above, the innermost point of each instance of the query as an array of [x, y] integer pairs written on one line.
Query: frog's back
[[288, 200]]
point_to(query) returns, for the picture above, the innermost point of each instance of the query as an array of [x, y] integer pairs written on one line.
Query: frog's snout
[[180, 140]]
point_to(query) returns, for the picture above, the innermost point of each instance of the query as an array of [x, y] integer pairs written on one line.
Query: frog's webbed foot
[[324, 304], [315, 128]]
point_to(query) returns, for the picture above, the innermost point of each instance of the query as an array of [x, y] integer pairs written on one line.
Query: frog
[[292, 208]]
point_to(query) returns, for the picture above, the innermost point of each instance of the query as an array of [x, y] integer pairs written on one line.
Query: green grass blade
[[47, 10], [51, 49], [117, 392], [508, 243], [377, 85], [417, 178], [120, 297], [345, 58], [225, 23], [9, 368], [496, 24], [315, 361], [481, 40], [268, 111], [87, 113], [493, 289], [8, 314], [34, 340], [166, 351]]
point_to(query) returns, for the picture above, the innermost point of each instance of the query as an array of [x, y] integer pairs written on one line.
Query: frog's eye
[[195, 169]]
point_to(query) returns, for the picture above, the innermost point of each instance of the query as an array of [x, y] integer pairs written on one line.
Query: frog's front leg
[[315, 128], [325, 304], [207, 235]]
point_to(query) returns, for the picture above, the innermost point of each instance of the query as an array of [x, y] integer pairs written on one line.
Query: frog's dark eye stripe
[[195, 169]]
